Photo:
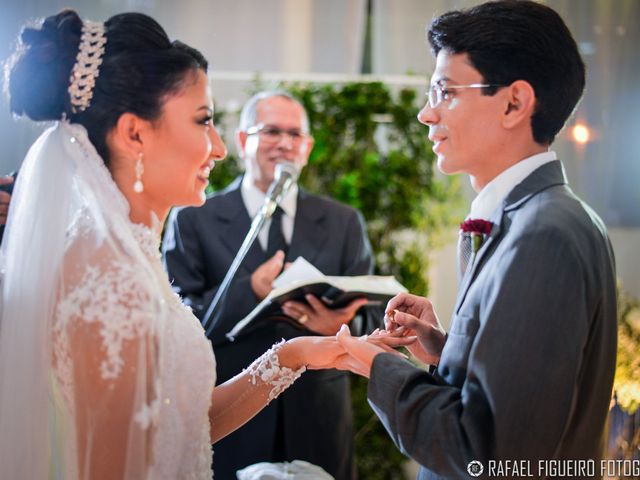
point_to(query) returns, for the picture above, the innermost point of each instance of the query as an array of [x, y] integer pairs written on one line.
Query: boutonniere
[[478, 229]]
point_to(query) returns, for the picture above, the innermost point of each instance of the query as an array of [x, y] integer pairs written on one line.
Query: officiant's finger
[[355, 305], [277, 261], [296, 309], [287, 265], [316, 305], [270, 269]]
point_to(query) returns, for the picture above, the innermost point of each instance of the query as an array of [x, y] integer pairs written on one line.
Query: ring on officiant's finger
[[303, 319]]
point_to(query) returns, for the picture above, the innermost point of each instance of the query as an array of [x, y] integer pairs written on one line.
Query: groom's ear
[[521, 104]]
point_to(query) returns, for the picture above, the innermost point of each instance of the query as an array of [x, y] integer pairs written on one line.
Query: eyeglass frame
[[439, 90], [294, 134]]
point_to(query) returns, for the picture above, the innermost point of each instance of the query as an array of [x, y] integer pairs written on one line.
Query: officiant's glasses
[[272, 134], [439, 92]]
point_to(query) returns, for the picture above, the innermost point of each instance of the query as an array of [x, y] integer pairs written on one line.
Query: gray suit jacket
[[312, 420], [527, 368]]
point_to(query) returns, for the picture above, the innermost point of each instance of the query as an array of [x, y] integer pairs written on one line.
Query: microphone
[[286, 175]]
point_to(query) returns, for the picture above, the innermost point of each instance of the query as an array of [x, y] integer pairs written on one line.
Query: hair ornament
[[87, 67]]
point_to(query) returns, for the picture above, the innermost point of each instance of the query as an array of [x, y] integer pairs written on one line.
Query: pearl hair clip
[[86, 69]]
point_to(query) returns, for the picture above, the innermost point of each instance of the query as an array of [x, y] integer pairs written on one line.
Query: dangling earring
[[138, 187]]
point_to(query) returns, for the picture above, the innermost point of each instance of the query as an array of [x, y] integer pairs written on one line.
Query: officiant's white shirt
[[253, 199]]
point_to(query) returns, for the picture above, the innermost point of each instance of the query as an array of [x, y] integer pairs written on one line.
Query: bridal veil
[[79, 354]]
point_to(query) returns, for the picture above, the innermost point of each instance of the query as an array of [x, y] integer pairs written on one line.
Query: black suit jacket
[[312, 420], [527, 368]]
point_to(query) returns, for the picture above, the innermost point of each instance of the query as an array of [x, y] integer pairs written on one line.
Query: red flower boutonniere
[[478, 229]]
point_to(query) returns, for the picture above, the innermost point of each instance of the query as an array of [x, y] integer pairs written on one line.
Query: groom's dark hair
[[509, 40]]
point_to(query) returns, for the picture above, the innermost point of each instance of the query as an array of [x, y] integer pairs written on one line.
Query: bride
[[103, 372]]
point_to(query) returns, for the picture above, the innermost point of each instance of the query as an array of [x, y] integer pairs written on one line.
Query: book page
[[300, 271], [368, 283]]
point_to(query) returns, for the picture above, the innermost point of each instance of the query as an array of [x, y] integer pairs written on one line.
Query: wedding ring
[[303, 319], [392, 316]]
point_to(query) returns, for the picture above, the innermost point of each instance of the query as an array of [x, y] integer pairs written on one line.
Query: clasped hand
[[410, 321], [335, 352]]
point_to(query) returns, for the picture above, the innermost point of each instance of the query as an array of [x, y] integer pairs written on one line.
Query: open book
[[302, 278]]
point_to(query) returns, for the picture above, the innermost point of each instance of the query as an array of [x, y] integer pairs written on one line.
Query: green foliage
[[370, 152], [627, 379], [226, 171], [377, 457]]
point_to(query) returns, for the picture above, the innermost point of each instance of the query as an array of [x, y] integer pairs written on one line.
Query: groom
[[526, 369]]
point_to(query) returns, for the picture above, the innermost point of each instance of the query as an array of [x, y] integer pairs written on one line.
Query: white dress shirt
[[497, 189], [253, 199]]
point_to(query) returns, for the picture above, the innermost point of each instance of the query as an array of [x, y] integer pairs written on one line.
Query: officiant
[[312, 421]]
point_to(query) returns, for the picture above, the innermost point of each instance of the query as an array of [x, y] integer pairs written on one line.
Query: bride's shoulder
[[105, 295], [100, 270]]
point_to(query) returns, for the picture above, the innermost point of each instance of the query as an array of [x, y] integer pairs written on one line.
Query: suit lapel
[[548, 175], [478, 257], [234, 223], [309, 234]]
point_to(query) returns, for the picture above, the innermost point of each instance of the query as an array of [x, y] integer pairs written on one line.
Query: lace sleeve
[[237, 400], [267, 370], [105, 351]]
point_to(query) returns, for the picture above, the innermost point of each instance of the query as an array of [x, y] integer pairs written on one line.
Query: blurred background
[[340, 40], [260, 43]]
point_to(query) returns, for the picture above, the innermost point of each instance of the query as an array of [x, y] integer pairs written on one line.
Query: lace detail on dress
[[148, 413], [147, 238], [116, 294], [267, 368]]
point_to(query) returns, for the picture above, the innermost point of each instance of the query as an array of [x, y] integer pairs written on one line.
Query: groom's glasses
[[439, 92]]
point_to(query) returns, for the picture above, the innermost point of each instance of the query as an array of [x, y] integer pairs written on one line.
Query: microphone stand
[[277, 191]]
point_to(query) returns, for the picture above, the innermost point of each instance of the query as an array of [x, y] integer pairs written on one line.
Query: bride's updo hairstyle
[[140, 68]]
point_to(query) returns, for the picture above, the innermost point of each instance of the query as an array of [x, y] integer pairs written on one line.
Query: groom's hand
[[408, 314], [362, 350]]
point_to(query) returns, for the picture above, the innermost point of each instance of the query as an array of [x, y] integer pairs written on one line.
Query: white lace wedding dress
[[103, 372], [101, 366], [114, 305]]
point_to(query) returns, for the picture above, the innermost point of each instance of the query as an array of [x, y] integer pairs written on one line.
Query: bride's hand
[[314, 352], [362, 350]]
